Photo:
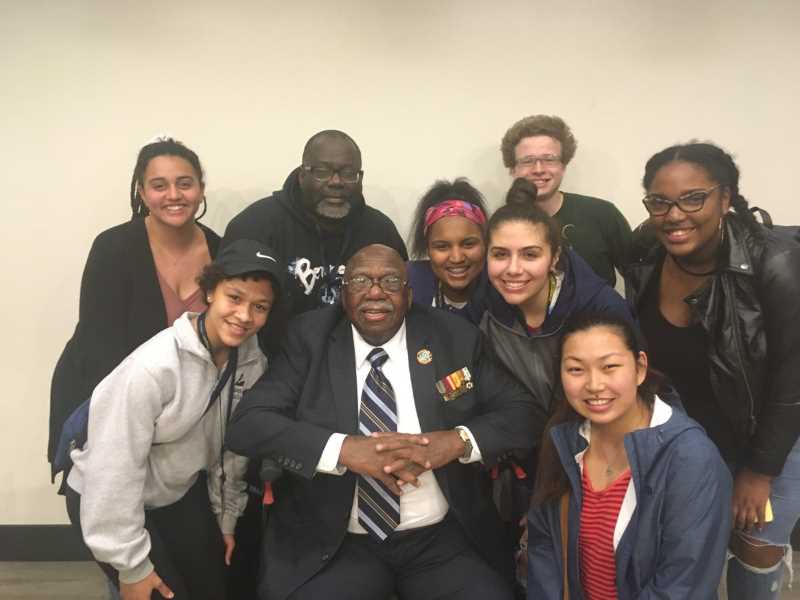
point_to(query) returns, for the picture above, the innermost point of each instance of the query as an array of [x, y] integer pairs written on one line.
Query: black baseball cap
[[250, 256]]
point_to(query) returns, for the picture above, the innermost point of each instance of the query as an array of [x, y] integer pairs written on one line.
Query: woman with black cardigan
[[138, 275]]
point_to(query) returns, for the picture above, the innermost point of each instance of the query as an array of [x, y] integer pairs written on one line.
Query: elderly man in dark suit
[[381, 415]]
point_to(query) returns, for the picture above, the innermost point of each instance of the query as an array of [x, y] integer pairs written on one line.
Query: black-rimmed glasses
[[391, 284], [690, 202], [323, 174]]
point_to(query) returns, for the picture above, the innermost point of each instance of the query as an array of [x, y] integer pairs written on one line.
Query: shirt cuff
[[137, 573], [227, 523], [329, 461], [476, 455]]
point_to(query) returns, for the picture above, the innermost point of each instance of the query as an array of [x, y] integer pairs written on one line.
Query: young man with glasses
[[318, 220], [539, 148]]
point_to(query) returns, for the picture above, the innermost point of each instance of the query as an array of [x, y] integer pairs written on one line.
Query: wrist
[[755, 474], [465, 444], [344, 452]]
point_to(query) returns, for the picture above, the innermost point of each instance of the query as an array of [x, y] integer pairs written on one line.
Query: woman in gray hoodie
[[146, 487]]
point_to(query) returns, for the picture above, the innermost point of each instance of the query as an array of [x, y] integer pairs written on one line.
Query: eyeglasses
[[391, 284], [323, 174], [547, 160], [691, 202]]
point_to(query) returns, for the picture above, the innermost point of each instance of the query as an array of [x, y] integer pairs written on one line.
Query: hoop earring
[[205, 208]]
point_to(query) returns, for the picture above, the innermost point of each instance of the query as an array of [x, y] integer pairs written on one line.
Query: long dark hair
[[719, 165], [162, 147], [441, 190], [551, 478]]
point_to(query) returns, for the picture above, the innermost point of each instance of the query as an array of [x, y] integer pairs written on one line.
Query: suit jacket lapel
[[342, 375], [423, 382], [423, 376]]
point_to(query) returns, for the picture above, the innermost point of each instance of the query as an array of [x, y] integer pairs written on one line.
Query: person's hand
[[750, 495], [230, 544], [142, 590], [359, 454], [407, 453], [442, 447]]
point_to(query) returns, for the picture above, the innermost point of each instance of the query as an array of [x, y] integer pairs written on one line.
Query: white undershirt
[[421, 506]]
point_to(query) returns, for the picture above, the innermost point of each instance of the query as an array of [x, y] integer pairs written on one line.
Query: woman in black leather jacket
[[718, 299]]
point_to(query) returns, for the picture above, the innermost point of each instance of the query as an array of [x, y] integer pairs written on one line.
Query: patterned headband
[[453, 208]]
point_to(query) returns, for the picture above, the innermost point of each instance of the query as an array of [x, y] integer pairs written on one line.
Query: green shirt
[[597, 231]]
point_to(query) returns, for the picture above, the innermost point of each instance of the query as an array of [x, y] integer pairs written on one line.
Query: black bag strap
[[228, 374]]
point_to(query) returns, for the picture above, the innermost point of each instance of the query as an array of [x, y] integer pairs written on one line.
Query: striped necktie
[[378, 507]]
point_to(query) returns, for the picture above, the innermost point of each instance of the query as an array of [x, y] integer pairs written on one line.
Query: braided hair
[[161, 147], [719, 165]]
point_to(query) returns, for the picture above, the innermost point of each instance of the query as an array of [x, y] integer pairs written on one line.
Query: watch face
[[467, 443]]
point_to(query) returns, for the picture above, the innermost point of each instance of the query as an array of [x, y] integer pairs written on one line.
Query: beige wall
[[426, 88]]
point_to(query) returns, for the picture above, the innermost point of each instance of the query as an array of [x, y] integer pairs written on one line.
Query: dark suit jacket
[[309, 392]]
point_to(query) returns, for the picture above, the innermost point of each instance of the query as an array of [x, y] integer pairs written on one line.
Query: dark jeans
[[186, 545]]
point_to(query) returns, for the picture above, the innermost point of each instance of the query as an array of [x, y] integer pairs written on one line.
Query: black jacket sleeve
[[779, 421], [265, 422]]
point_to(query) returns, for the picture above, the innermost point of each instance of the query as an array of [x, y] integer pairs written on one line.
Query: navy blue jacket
[[532, 357], [675, 543], [425, 286]]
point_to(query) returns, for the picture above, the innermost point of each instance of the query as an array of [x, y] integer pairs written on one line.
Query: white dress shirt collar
[[396, 346]]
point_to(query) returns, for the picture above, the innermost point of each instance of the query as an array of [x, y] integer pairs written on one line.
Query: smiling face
[[171, 190], [692, 236], [545, 175], [376, 314], [331, 199], [600, 376], [457, 253], [519, 262], [237, 309]]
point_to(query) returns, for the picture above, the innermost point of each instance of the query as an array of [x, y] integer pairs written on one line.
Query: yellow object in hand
[[768, 516]]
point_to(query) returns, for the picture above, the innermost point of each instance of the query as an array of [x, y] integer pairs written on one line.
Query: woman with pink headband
[[449, 229]]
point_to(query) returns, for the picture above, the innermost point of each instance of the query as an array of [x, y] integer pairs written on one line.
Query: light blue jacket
[[673, 547]]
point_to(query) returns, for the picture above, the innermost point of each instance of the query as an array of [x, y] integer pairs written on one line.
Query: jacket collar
[[342, 369], [739, 259], [643, 446]]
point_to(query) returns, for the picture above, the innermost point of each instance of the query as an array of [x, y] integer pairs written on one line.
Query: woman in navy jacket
[[648, 495]]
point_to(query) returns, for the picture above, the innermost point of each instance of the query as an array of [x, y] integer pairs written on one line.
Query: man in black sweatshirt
[[315, 223], [318, 221]]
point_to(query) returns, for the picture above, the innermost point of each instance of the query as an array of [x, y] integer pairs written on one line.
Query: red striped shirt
[[596, 540]]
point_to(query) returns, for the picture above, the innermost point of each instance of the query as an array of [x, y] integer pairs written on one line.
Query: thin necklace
[[692, 273]]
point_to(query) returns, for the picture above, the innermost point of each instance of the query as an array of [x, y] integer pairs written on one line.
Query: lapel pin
[[424, 357]]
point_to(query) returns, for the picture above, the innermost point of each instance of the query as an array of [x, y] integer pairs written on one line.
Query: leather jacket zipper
[[751, 425]]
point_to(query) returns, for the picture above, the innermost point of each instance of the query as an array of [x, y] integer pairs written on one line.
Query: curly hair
[[549, 125], [719, 165], [441, 190]]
